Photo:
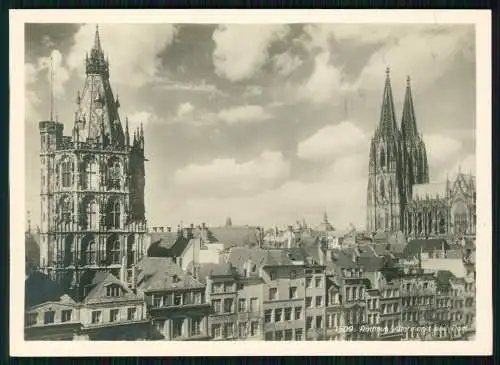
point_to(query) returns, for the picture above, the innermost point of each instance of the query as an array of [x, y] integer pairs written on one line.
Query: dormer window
[[113, 291]]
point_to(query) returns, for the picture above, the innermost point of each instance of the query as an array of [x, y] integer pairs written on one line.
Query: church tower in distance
[[398, 161], [384, 176], [92, 186]]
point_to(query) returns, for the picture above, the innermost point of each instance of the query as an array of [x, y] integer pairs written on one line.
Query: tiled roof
[[341, 260], [233, 236], [413, 247], [210, 269], [164, 239], [39, 288], [370, 264], [98, 286], [170, 245], [161, 273]]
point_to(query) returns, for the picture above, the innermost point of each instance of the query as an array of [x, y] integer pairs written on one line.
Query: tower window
[[114, 250], [91, 175], [66, 210], [382, 158], [113, 214], [67, 173], [92, 216], [90, 251], [114, 175]]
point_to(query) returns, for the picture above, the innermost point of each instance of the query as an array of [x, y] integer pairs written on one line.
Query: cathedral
[[92, 186], [399, 195]]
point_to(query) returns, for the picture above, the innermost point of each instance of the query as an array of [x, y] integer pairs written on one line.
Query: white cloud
[[440, 147], [436, 50], [285, 63], [185, 109], [241, 50], [253, 90], [244, 114], [332, 141], [136, 118], [226, 177], [466, 164], [44, 64], [133, 49], [324, 82], [188, 86]]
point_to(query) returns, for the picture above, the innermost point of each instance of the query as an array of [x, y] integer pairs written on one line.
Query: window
[[227, 330], [273, 293], [92, 215], [177, 298], [293, 275], [66, 210], [319, 322], [156, 301], [49, 317], [31, 319], [354, 296], [278, 336], [288, 314], [217, 305], [177, 327], [196, 326], [309, 323], [113, 291], [242, 330], [113, 315], [268, 316], [159, 326], [309, 302], [298, 334], [198, 298], [269, 336], [66, 315], [425, 285], [298, 313], [288, 335], [96, 317], [228, 287], [217, 288], [254, 328], [228, 305], [216, 331], [91, 178], [168, 299], [254, 304], [131, 312], [114, 175], [334, 298], [272, 275], [66, 173], [308, 282], [319, 302], [242, 305], [187, 298], [317, 281], [114, 214], [293, 292], [277, 314], [348, 293]]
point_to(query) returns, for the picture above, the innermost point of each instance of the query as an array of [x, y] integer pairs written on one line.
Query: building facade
[[398, 160], [92, 185]]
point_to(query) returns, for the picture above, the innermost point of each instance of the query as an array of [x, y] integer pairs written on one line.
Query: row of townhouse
[[264, 294]]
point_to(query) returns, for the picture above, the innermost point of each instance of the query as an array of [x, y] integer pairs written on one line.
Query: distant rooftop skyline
[[267, 129]]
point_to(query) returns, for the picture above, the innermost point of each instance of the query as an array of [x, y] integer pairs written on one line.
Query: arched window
[[66, 210], [382, 158], [114, 174], [442, 224], [66, 173], [69, 250], [91, 178], [382, 189], [429, 222], [89, 248], [130, 249], [419, 223], [410, 221], [113, 250], [460, 217], [92, 215]]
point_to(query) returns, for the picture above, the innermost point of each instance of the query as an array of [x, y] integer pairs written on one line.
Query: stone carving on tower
[[92, 185]]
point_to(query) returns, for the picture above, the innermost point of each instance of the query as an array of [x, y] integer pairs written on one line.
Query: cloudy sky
[[267, 124]]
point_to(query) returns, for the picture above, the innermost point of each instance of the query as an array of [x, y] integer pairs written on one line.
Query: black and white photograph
[[236, 182]]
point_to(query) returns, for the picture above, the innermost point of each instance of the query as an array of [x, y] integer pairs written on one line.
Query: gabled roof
[[414, 247], [162, 273], [216, 270], [98, 288], [39, 288], [233, 236]]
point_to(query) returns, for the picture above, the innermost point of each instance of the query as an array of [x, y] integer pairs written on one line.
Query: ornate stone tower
[[414, 154], [385, 185], [92, 186]]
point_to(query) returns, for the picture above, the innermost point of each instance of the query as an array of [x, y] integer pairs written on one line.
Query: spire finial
[[408, 80], [387, 71], [97, 40]]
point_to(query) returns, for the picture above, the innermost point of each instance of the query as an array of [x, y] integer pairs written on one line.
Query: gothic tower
[[384, 209], [414, 155], [92, 185]]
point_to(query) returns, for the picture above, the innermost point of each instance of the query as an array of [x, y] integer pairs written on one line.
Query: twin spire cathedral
[[92, 186], [398, 160]]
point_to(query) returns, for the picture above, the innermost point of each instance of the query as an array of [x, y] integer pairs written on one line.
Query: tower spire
[[408, 122], [387, 123], [97, 39], [127, 135]]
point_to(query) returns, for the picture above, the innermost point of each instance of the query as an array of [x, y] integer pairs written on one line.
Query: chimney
[[203, 225], [169, 229], [162, 229], [191, 226], [154, 229]]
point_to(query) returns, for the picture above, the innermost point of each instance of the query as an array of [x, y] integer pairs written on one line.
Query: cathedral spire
[[127, 135], [408, 122], [97, 39], [387, 123]]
